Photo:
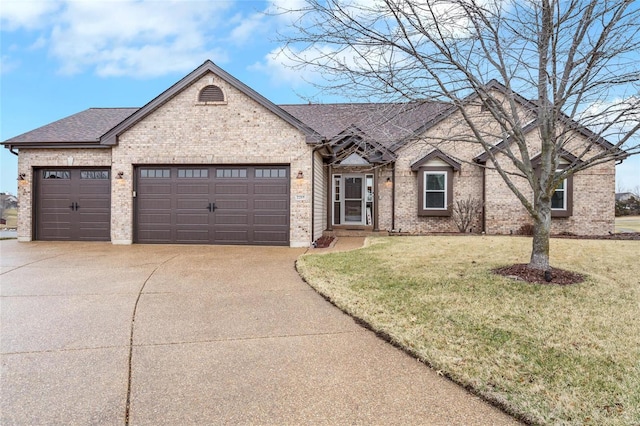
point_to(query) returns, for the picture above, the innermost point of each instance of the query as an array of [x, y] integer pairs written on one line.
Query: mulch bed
[[634, 236], [324, 241], [521, 272]]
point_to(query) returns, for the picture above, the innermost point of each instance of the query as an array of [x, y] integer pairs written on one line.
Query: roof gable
[[436, 153], [111, 136]]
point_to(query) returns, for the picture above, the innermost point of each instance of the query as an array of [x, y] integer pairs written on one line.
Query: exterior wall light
[[22, 176], [300, 175], [120, 175]]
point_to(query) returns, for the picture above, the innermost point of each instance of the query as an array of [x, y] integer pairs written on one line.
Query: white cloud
[[282, 69], [28, 14], [124, 37], [253, 26]]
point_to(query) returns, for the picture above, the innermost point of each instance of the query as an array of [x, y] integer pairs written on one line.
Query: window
[[435, 186], [231, 173], [94, 174], [562, 199], [155, 173], [271, 173], [193, 173], [559, 198], [435, 189], [56, 174]]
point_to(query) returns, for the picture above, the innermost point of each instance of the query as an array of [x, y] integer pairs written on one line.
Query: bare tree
[[558, 63]]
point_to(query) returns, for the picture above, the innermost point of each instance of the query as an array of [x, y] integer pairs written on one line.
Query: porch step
[[365, 231]]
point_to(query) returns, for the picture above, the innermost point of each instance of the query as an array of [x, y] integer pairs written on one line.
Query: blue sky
[[61, 57]]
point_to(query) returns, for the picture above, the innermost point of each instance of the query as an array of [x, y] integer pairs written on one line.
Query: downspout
[[393, 197], [313, 193], [484, 197], [376, 182], [12, 151], [329, 209]]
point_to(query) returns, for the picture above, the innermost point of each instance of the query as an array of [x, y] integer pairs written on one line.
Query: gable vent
[[211, 94]]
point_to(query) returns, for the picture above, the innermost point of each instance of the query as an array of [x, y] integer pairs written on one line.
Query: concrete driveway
[[93, 333]]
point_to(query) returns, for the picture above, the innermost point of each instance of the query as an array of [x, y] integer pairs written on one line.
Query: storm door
[[352, 199]]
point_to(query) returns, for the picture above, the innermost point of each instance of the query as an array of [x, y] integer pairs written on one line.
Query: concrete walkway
[[93, 333]]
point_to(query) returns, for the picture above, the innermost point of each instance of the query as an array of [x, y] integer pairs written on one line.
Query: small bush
[[526, 229]]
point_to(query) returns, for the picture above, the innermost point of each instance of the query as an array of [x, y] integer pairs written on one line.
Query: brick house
[[211, 161]]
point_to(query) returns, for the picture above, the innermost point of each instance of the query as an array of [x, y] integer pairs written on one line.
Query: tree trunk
[[541, 231]]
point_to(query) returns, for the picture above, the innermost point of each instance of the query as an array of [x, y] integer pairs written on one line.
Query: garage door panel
[[279, 205], [53, 219], [212, 205], [271, 188], [264, 219], [55, 203], [231, 236], [192, 203], [231, 188], [184, 189], [94, 189], [149, 188], [94, 203], [97, 219], [231, 204], [155, 235], [53, 191], [232, 219], [191, 236], [192, 219], [155, 219], [154, 204], [270, 237]]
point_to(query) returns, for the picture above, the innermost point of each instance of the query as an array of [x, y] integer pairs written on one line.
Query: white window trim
[[564, 195], [424, 192]]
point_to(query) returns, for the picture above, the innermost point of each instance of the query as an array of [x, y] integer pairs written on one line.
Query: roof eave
[[51, 144]]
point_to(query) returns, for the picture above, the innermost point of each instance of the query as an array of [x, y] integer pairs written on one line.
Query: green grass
[[628, 224], [550, 354]]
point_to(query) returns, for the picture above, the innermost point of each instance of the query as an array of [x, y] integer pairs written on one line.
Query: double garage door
[[212, 205]]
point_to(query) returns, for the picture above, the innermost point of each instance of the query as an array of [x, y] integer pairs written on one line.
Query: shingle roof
[[83, 127], [384, 123]]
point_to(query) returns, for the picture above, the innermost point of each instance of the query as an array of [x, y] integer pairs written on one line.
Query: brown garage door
[[73, 204], [212, 205]]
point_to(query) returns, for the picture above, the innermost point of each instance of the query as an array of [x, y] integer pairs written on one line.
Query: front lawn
[[628, 224], [549, 354]]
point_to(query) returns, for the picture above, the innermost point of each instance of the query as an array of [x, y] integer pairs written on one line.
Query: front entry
[[352, 199]]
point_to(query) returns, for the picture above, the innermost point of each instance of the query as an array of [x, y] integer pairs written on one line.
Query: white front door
[[352, 199]]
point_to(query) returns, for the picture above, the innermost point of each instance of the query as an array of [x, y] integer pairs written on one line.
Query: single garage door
[[212, 205], [73, 204]]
